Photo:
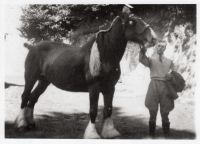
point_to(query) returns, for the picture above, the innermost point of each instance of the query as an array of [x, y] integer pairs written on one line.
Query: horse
[[93, 68]]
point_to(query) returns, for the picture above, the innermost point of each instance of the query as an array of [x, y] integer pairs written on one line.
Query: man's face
[[161, 48]]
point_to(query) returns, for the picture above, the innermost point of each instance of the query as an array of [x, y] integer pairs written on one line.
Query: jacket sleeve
[[144, 59], [172, 66]]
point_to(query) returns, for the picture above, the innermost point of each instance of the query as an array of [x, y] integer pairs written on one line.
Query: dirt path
[[61, 114]]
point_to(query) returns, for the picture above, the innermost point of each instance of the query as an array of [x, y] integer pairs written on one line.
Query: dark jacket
[[177, 81], [175, 84]]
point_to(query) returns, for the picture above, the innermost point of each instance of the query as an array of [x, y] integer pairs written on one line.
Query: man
[[158, 92]]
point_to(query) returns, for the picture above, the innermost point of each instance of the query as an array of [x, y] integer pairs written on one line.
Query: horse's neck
[[117, 48], [111, 47]]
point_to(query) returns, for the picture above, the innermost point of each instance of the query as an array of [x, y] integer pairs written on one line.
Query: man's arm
[[172, 68], [143, 58]]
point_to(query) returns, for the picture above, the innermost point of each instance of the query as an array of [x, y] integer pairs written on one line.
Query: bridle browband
[[136, 18]]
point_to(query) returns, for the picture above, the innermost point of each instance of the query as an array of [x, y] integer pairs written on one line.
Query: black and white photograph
[[100, 71]]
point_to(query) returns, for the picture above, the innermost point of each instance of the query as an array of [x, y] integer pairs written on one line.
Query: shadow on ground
[[72, 126]]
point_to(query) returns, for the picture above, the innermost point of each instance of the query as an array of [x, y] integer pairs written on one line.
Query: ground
[[61, 114]]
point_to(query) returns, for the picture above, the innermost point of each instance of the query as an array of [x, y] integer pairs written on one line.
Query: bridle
[[147, 26]]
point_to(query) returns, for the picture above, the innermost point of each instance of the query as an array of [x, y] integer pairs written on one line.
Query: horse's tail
[[28, 46]]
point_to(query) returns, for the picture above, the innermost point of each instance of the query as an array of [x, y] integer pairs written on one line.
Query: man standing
[[158, 92]]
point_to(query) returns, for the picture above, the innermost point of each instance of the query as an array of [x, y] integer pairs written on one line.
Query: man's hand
[[143, 50], [168, 76]]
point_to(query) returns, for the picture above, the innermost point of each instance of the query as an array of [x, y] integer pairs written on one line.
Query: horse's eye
[[130, 22]]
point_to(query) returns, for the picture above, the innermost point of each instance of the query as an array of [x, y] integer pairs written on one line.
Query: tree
[[55, 22], [60, 22]]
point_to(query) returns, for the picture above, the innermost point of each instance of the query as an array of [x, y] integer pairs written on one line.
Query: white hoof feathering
[[108, 130], [24, 118], [21, 119], [91, 132]]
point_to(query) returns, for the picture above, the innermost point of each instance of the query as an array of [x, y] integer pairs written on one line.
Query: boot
[[166, 129], [152, 129]]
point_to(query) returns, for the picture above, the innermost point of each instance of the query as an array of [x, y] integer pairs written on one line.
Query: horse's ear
[[126, 10], [125, 13]]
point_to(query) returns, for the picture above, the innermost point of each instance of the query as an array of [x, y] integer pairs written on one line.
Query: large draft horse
[[93, 68]]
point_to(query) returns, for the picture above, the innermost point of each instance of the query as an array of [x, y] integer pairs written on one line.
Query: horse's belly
[[68, 80], [71, 85]]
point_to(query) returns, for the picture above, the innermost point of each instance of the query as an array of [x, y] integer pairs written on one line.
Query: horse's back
[[40, 52]]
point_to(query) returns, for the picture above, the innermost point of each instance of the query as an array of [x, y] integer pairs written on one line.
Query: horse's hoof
[[109, 130], [112, 133], [21, 129], [91, 136], [90, 132], [31, 126], [20, 123]]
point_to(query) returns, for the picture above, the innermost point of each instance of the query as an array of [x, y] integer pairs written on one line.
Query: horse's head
[[138, 31]]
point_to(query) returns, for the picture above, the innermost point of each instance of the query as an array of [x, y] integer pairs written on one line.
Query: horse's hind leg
[[108, 130], [41, 87], [32, 73], [30, 80]]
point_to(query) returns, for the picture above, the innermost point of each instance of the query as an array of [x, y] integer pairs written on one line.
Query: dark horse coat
[[92, 68], [73, 68]]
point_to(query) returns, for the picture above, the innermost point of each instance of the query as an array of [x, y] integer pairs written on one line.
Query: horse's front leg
[[108, 130], [90, 131]]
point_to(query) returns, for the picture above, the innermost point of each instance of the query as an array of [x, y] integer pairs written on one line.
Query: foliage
[[58, 22], [183, 40]]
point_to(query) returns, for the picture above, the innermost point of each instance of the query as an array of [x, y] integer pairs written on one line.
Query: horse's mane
[[111, 26], [99, 48]]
